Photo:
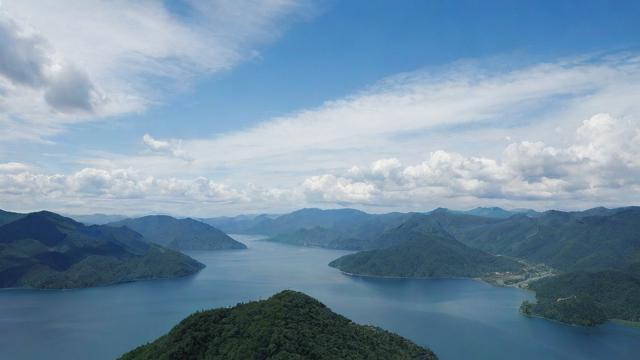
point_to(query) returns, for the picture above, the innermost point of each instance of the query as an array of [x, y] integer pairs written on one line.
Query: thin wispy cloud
[[64, 63]]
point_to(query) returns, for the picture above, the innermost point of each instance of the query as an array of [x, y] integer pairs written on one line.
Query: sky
[[206, 108]]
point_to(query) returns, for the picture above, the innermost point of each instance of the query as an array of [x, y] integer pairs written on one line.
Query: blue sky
[[287, 89]]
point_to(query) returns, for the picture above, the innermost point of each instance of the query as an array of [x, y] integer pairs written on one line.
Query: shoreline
[[634, 324], [26, 288], [417, 278]]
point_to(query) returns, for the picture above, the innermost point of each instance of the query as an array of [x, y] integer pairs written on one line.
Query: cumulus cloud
[[171, 147], [69, 90], [63, 62], [329, 188], [116, 185], [26, 59], [602, 161], [600, 164]]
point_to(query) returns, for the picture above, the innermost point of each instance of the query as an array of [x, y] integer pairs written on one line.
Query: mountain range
[[593, 247], [421, 249], [47, 250]]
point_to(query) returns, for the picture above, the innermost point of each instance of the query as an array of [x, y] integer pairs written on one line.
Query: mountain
[[355, 231], [420, 250], [46, 250], [586, 298], [7, 217], [490, 212], [289, 325], [568, 241], [180, 234], [97, 219], [319, 237], [309, 218], [241, 224]]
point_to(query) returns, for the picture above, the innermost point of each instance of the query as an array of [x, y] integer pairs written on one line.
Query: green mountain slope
[[180, 234], [7, 217], [568, 241], [289, 325], [587, 298], [420, 251], [46, 250]]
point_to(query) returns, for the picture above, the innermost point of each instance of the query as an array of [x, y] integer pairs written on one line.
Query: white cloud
[[13, 167], [22, 55], [552, 156], [90, 187], [62, 62], [600, 166], [329, 188], [171, 147], [405, 115]]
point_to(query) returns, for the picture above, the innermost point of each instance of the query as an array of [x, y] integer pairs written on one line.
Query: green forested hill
[[421, 252], [587, 298], [289, 325], [180, 234], [46, 250], [568, 241]]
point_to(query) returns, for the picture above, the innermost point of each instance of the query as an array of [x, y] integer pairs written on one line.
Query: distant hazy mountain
[[46, 250], [345, 229], [280, 224], [180, 234], [289, 325], [420, 249], [97, 219], [491, 212], [241, 224], [319, 237]]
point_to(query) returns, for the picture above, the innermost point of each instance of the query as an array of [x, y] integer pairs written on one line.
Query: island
[[288, 325], [44, 250]]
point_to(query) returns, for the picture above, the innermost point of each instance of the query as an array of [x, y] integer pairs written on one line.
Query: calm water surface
[[458, 319]]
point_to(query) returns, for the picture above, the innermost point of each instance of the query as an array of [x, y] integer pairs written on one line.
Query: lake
[[458, 319]]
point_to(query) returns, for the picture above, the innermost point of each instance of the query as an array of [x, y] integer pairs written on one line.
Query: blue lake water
[[458, 319]]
